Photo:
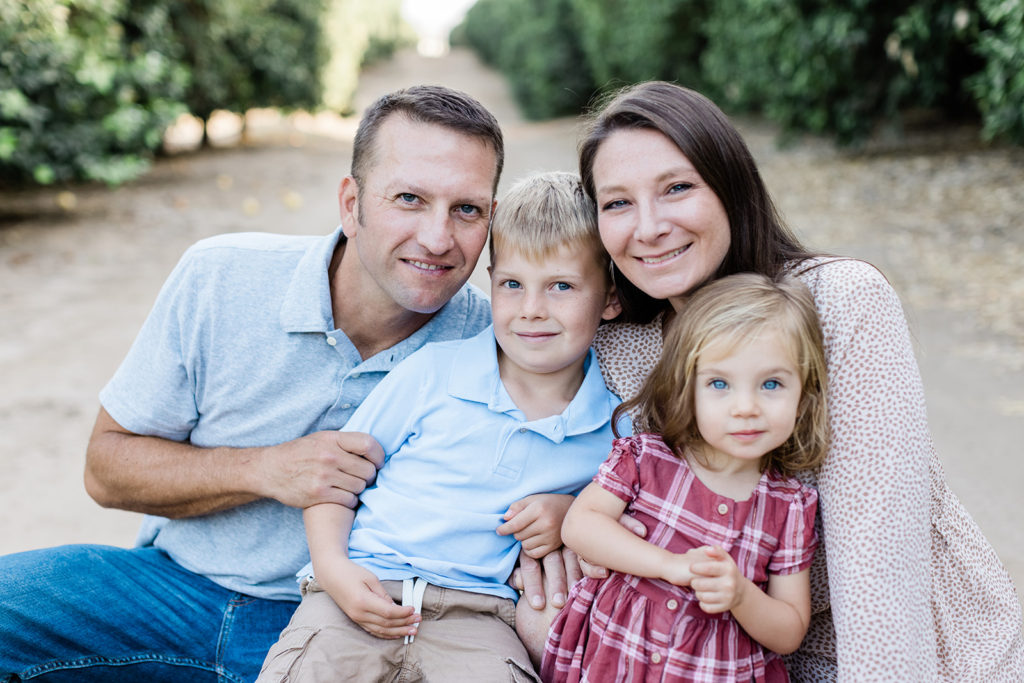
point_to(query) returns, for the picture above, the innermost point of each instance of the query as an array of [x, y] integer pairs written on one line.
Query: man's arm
[[156, 476]]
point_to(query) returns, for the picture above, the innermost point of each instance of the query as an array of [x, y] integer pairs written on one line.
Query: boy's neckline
[[537, 395]]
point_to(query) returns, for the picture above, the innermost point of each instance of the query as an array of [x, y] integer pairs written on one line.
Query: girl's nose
[[744, 404]]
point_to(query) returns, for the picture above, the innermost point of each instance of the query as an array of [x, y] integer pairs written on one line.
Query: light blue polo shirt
[[241, 350], [459, 453]]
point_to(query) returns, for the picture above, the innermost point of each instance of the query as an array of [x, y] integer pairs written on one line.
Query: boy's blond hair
[[544, 212]]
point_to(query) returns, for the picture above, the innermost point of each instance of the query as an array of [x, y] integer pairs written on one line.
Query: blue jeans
[[98, 613]]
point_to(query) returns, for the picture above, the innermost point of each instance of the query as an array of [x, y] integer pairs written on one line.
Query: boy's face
[[547, 310]]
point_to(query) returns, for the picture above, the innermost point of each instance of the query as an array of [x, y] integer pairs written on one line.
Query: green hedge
[[88, 87], [80, 99], [837, 67], [999, 86], [535, 43]]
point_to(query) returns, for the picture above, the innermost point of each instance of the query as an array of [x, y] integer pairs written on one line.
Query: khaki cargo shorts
[[463, 636]]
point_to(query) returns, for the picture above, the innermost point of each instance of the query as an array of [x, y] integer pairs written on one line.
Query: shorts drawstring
[[412, 594]]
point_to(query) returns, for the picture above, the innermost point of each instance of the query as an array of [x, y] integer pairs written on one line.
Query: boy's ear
[[612, 306]]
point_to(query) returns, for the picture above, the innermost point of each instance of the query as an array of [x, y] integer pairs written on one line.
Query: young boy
[[468, 427]]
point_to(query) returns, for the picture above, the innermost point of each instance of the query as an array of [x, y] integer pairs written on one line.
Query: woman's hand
[[717, 582]]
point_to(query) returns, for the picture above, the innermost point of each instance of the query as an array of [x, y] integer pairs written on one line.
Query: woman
[[904, 587]]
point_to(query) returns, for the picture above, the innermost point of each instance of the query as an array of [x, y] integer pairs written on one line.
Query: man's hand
[[536, 521], [597, 572], [323, 467], [557, 571], [360, 595]]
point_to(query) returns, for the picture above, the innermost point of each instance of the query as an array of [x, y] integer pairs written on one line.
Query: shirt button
[[722, 508], [656, 658], [346, 406], [331, 341], [522, 430], [355, 375], [672, 605]]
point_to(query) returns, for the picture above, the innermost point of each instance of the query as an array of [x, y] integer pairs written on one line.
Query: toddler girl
[[720, 587]]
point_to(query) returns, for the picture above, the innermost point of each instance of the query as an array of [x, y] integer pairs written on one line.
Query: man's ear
[[348, 205], [612, 305]]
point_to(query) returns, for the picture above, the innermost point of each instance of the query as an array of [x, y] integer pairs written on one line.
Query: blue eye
[[407, 197], [563, 286], [615, 204], [718, 384], [512, 284], [680, 187], [468, 210], [772, 384]]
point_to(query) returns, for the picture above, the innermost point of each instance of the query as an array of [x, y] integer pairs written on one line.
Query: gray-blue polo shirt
[[241, 350], [459, 452]]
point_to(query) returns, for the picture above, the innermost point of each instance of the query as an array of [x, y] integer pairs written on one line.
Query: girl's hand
[[679, 570], [717, 582]]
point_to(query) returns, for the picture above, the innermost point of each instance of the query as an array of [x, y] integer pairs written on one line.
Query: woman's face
[[664, 227]]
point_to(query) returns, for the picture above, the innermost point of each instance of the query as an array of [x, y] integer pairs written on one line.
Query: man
[[221, 424]]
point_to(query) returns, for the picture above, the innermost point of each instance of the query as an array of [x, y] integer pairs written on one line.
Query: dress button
[[722, 508], [656, 658], [331, 341], [672, 605]]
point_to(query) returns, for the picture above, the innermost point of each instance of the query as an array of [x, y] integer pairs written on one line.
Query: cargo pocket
[[285, 657], [520, 672]]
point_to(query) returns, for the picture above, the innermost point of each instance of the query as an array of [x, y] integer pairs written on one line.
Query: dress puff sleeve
[[798, 539], [619, 473]]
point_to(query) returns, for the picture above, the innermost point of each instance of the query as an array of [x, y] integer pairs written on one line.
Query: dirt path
[[75, 286]]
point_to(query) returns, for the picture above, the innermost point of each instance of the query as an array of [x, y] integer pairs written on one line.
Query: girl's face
[[747, 397], [664, 227]]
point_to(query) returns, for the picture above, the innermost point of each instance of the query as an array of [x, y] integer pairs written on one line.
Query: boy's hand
[[536, 521], [361, 596], [717, 582]]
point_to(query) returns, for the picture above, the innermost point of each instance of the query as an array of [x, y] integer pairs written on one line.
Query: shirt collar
[[307, 302], [476, 378]]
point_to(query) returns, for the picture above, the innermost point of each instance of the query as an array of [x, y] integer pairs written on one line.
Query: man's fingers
[[362, 445], [594, 571], [533, 581], [555, 581], [573, 572]]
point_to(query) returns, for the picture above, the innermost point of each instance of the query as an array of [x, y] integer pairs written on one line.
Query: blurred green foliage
[[88, 87], [999, 86], [838, 67], [541, 39]]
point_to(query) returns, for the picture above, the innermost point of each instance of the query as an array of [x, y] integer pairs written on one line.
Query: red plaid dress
[[627, 628]]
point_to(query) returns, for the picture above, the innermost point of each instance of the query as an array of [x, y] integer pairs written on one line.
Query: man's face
[[420, 218]]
